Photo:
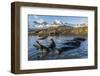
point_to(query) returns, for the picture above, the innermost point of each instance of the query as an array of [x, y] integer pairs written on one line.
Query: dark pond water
[[80, 52]]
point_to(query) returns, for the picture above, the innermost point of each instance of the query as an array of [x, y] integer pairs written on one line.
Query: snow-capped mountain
[[55, 23], [80, 25], [43, 24]]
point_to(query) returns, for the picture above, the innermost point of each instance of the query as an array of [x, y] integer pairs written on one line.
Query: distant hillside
[[60, 30]]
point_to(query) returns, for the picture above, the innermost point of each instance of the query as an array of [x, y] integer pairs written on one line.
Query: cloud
[[58, 22], [40, 20], [41, 23], [36, 17]]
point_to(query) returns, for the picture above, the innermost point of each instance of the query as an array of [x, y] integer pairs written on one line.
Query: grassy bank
[[55, 31]]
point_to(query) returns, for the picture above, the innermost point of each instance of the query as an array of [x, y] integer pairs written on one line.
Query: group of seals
[[71, 44]]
